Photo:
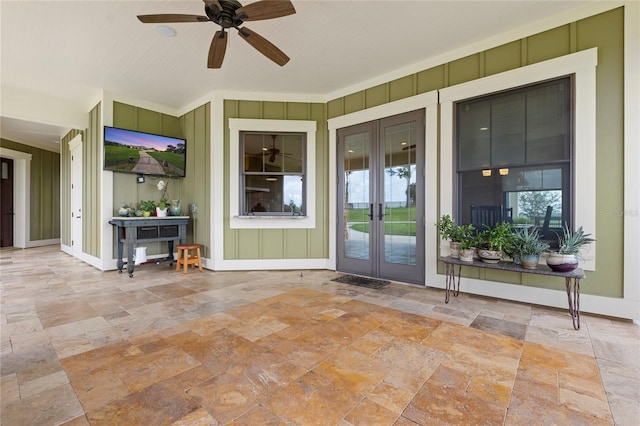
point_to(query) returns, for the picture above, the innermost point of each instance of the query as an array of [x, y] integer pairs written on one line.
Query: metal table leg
[[574, 301], [452, 286]]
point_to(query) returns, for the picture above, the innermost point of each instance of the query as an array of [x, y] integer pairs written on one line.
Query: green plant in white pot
[[529, 246], [493, 241], [467, 248], [565, 259], [455, 234]]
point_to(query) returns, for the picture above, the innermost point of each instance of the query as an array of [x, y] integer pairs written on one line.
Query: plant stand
[[572, 280]]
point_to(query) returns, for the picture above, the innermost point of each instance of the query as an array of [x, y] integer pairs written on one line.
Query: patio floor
[[80, 346]]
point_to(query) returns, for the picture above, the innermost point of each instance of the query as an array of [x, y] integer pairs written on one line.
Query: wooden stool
[[186, 257]]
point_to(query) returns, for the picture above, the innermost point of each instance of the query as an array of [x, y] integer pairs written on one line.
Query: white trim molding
[[21, 194], [631, 290], [236, 125]]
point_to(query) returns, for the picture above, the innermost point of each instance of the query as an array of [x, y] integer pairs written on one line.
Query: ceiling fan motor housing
[[226, 17]]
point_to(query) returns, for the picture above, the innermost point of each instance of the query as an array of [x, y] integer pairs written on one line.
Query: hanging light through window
[[486, 172], [503, 172]]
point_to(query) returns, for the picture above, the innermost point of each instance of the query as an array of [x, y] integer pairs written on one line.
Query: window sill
[[263, 216]]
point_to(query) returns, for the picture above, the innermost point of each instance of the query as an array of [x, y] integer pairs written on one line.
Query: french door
[[380, 201]]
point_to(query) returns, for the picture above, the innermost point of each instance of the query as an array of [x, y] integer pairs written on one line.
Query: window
[[239, 218], [514, 150], [272, 173]]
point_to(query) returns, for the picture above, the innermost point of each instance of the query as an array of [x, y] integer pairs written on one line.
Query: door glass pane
[[356, 197], [400, 194]]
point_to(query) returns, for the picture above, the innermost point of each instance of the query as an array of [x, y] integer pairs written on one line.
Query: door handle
[[371, 211], [380, 211]]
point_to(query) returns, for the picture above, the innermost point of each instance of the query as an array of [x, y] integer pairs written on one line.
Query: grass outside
[[176, 160], [118, 157], [398, 221]]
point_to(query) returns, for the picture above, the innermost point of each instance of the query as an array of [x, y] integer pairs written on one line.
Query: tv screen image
[[143, 153]]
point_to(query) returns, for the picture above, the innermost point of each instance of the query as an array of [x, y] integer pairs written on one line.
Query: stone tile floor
[[80, 346]]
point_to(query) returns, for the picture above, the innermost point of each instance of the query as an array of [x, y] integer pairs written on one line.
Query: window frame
[[582, 65], [283, 173], [240, 221], [566, 164]]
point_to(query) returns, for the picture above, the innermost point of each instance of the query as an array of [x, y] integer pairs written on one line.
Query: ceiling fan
[[273, 151], [231, 14]]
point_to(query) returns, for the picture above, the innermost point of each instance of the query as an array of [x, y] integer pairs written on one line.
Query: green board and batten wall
[[192, 126], [281, 243], [604, 31], [44, 201]]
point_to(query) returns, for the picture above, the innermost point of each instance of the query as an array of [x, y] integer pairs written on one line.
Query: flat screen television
[[143, 153]]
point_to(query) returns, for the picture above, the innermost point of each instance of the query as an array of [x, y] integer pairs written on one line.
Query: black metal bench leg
[[574, 301]]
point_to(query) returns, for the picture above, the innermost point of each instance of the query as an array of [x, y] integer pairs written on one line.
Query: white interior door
[[75, 147]]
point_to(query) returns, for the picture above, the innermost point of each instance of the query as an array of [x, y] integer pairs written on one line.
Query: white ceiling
[[75, 49]]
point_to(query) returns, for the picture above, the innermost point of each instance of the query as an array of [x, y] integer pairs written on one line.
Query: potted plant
[[528, 245], [161, 209], [466, 248], [565, 259], [147, 207], [493, 241], [454, 233]]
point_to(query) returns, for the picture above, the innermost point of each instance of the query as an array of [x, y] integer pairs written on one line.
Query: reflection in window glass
[[514, 151], [273, 173]]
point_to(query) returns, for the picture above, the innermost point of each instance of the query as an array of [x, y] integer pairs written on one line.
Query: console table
[[133, 230], [573, 277]]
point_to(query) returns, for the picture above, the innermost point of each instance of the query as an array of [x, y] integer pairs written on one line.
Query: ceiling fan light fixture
[[166, 30]]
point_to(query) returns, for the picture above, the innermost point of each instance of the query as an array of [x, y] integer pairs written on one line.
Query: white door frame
[[428, 101], [22, 195], [75, 202]]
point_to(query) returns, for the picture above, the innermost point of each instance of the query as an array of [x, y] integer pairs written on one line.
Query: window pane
[[507, 130], [273, 194], [548, 122], [474, 119], [526, 192], [273, 153], [273, 173], [529, 141], [292, 153]]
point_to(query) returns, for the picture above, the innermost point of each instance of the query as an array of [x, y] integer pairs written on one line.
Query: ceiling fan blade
[[265, 9], [171, 18], [264, 46], [217, 50]]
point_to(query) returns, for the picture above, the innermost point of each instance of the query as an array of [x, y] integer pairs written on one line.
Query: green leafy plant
[[498, 238], [571, 242], [147, 206], [450, 231], [446, 227]]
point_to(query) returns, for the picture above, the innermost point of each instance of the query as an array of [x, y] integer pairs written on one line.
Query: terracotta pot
[[562, 262]]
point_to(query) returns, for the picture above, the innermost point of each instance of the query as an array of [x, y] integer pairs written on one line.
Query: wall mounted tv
[[143, 153]]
